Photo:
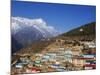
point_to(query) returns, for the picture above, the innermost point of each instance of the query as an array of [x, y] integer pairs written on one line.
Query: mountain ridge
[[82, 30], [26, 31]]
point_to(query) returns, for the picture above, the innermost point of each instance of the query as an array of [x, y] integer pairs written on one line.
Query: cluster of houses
[[58, 59]]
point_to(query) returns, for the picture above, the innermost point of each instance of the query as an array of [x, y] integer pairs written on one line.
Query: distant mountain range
[[26, 31]]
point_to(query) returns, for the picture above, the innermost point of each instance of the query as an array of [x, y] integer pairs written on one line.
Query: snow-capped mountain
[[26, 30]]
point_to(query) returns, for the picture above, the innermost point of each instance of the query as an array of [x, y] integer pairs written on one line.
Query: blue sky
[[61, 16]]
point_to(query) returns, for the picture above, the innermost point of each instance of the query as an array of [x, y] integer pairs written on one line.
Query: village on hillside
[[61, 55]]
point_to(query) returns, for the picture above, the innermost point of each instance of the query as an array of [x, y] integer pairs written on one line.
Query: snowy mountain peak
[[18, 23], [27, 30]]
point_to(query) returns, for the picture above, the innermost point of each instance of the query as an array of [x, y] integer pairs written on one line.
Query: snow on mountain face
[[19, 23], [28, 30]]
